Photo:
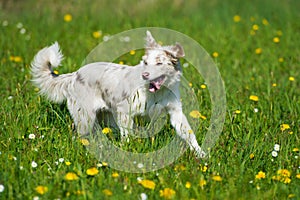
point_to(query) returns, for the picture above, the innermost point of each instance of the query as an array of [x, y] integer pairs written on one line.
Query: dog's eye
[[145, 62]]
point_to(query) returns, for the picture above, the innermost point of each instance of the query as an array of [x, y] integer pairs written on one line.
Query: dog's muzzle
[[154, 84]]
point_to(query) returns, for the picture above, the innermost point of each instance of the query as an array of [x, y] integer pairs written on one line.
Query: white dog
[[117, 93]]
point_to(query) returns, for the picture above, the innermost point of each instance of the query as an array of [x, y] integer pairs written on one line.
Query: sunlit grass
[[256, 47]]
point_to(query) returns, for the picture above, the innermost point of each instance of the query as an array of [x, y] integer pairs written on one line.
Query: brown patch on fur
[[80, 79]]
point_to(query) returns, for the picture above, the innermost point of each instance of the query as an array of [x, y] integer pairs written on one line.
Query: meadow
[[255, 45]]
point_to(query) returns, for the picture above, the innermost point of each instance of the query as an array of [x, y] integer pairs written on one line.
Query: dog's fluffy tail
[[53, 86]]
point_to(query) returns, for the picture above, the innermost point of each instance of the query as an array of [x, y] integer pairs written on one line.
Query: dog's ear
[[150, 41], [176, 50]]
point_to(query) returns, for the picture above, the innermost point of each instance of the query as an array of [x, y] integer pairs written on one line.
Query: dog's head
[[162, 66]]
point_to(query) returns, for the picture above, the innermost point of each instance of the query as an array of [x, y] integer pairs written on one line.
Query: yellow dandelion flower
[[265, 22], [147, 184], [107, 192], [104, 164], [195, 114], [287, 180], [284, 172], [190, 84], [291, 132], [106, 131], [203, 86], [291, 78], [298, 176], [68, 163], [167, 193], [236, 18], [71, 176], [255, 27], [276, 40], [97, 34], [68, 17], [274, 85], [280, 60], [284, 127], [204, 168], [17, 59], [202, 183], [251, 156], [92, 171], [237, 112], [291, 196], [55, 72], [215, 54], [276, 178], [253, 97], [190, 131], [85, 142], [217, 178], [258, 51], [41, 189], [260, 175], [115, 175], [121, 63], [188, 185], [295, 150], [132, 52]]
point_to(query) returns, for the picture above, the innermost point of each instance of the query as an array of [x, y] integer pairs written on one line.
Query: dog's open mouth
[[155, 84]]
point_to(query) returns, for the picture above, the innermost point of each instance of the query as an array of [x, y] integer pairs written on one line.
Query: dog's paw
[[200, 154]]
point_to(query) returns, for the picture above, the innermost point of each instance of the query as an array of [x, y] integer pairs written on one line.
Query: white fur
[[117, 93]]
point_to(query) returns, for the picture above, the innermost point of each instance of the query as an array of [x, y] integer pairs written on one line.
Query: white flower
[[34, 164], [35, 198], [276, 147], [144, 196], [2, 188], [31, 136], [19, 25], [274, 154], [185, 65], [106, 38], [5, 23], [255, 110], [23, 31], [140, 165], [61, 160]]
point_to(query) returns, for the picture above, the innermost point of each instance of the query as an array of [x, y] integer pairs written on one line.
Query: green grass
[[244, 72]]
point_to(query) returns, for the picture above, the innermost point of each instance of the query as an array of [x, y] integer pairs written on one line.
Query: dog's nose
[[145, 75]]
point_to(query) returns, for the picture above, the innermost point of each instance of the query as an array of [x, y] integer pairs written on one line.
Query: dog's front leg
[[125, 124], [183, 129]]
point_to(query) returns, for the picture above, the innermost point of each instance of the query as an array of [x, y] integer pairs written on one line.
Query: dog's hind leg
[[83, 115]]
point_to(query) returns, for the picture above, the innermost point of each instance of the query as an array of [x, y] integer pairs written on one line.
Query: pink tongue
[[155, 85]]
